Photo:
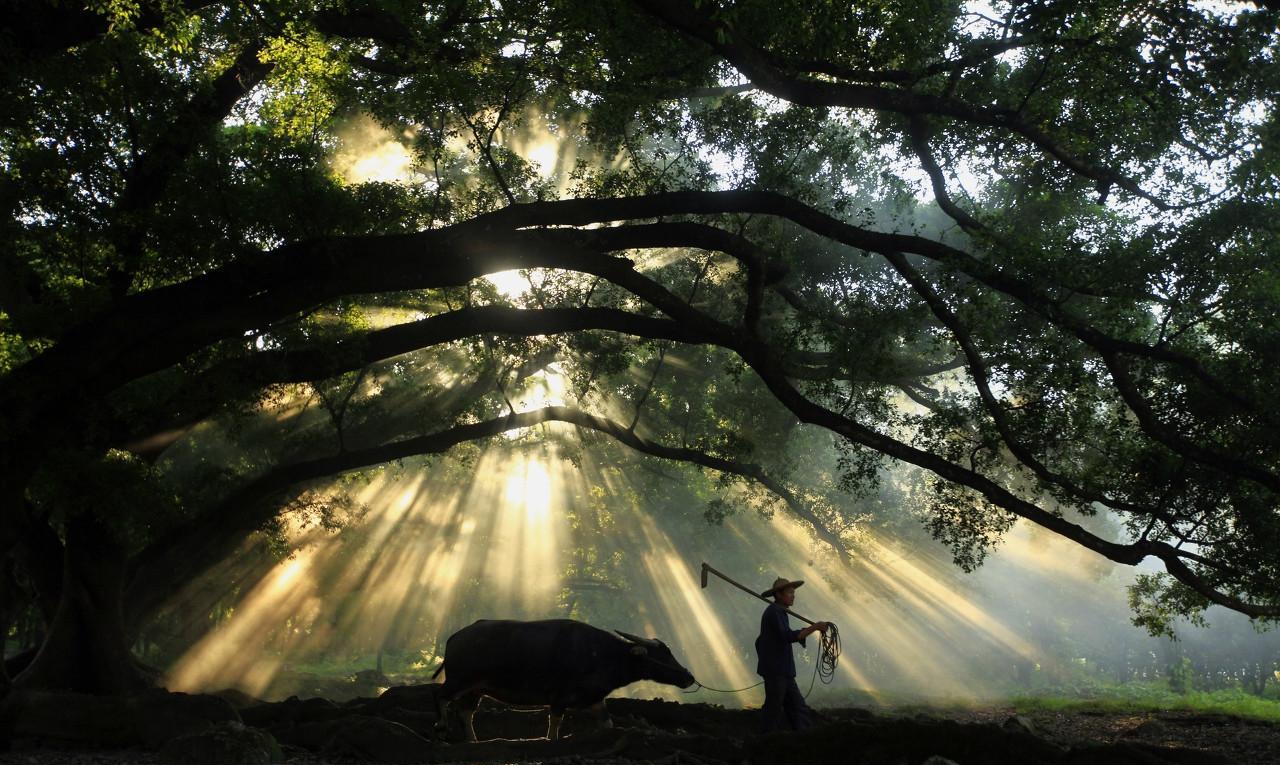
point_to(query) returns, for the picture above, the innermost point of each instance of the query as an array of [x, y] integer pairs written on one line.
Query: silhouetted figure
[[777, 665]]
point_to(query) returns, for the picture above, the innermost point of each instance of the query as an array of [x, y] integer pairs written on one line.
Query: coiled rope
[[828, 658]]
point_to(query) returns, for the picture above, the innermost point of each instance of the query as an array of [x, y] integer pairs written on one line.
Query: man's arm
[[796, 636], [782, 627], [800, 635]]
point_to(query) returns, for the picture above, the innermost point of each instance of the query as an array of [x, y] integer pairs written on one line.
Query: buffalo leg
[[553, 723], [602, 715], [467, 704]]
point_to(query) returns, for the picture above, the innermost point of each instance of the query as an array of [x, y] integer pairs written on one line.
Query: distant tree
[[1083, 319]]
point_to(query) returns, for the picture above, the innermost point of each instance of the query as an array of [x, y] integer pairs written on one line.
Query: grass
[[1143, 698], [1102, 698]]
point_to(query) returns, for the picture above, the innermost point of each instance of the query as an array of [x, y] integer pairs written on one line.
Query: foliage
[[118, 488], [1156, 601]]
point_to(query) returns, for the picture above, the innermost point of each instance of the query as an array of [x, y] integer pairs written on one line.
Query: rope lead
[[702, 687]]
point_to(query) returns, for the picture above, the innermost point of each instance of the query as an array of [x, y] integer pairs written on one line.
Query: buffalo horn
[[650, 642]]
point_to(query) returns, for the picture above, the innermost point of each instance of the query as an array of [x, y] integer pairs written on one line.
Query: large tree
[[1032, 253]]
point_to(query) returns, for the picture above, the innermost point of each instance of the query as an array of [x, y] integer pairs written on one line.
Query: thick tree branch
[[201, 395], [139, 336], [979, 52], [257, 291]]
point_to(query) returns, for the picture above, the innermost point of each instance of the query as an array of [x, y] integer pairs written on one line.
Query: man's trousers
[[784, 707]]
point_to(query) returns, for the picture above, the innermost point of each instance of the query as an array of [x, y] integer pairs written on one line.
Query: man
[[777, 665]]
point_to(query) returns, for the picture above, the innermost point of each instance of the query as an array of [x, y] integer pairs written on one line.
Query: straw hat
[[780, 584]]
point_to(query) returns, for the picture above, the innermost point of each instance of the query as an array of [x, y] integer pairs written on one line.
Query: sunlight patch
[[546, 156], [370, 153], [510, 284]]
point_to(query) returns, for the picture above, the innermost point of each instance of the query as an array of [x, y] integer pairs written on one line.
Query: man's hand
[[815, 627], [812, 628]]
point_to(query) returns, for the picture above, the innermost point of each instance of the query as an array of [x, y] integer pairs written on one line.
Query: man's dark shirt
[[774, 644]]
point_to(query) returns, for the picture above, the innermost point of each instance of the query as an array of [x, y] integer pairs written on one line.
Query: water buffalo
[[557, 663]]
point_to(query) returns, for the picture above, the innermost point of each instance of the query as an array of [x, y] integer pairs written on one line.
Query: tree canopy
[[1029, 249]]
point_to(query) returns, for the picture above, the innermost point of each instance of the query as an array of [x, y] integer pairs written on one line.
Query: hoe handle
[[706, 569]]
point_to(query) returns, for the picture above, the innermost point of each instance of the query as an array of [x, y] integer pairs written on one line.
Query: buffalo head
[[657, 662]]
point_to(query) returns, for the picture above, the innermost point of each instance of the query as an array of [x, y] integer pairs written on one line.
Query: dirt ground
[[319, 732], [1238, 739]]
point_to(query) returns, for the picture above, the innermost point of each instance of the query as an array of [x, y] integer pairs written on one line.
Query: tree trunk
[[86, 648], [40, 557]]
